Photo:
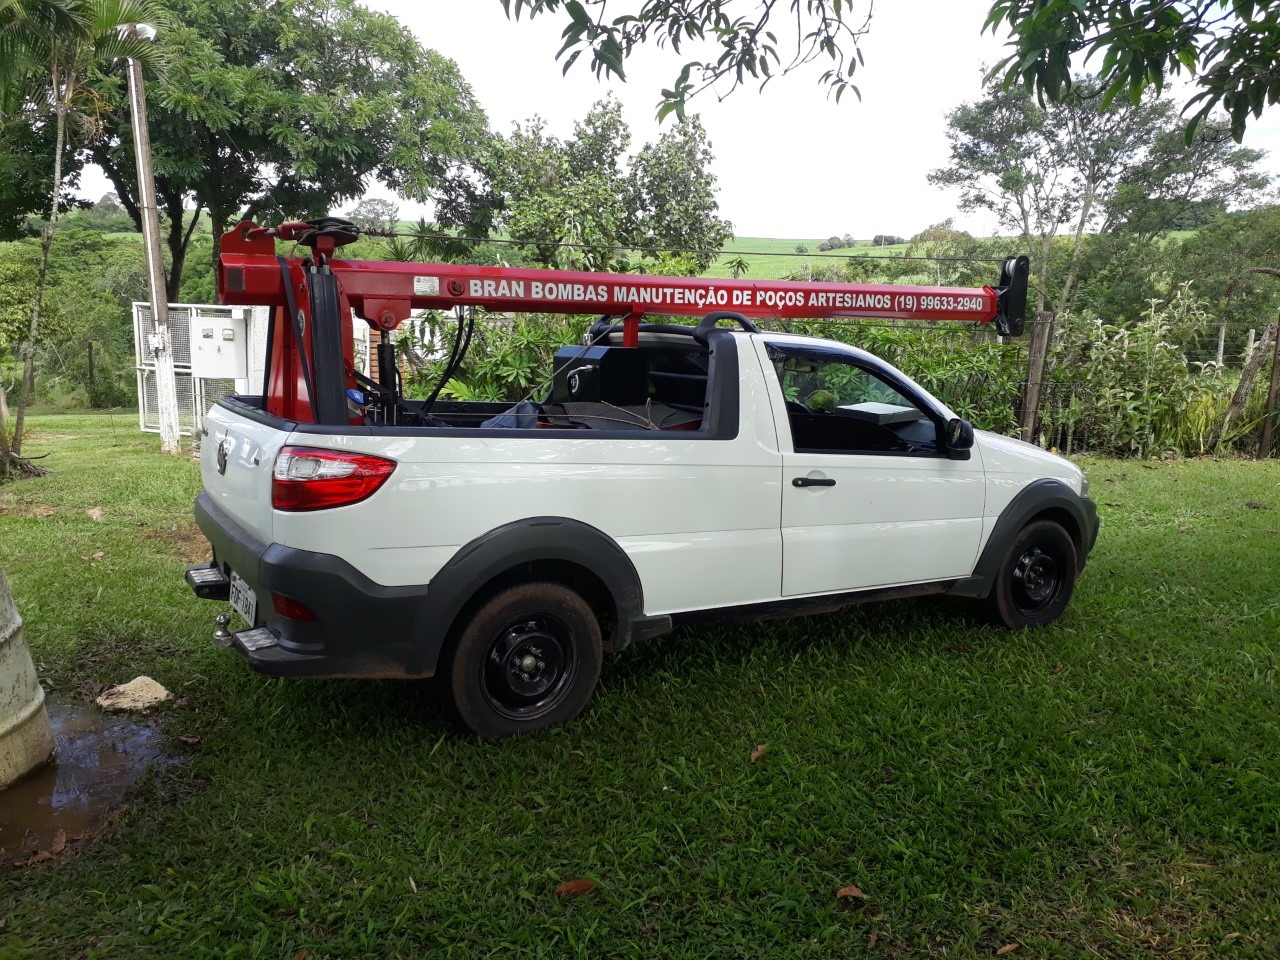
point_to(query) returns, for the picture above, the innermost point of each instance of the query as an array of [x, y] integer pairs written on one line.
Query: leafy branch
[[748, 45]]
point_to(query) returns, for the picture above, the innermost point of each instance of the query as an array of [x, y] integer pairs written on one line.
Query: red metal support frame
[[384, 293]]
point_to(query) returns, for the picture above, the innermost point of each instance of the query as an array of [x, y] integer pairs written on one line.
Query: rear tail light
[[310, 478], [291, 608]]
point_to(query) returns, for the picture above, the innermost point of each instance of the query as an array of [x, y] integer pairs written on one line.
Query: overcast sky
[[790, 162]]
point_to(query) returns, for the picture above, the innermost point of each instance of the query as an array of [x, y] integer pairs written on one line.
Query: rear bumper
[[362, 629]]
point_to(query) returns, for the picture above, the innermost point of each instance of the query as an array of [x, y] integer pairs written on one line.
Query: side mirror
[[959, 439]]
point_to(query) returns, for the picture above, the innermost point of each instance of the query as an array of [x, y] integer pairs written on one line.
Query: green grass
[[777, 256], [1109, 786]]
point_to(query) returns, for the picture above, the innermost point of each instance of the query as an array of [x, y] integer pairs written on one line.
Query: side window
[[836, 406]]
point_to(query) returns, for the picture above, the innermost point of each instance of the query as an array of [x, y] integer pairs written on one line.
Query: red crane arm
[[309, 342], [385, 292]]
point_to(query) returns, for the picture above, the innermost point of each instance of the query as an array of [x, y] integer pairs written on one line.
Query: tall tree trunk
[[62, 95], [1222, 342], [1064, 305], [178, 239]]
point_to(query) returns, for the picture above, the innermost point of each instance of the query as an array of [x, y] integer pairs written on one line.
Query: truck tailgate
[[236, 460]]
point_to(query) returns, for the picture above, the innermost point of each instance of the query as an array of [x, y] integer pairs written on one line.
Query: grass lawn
[[1107, 787]]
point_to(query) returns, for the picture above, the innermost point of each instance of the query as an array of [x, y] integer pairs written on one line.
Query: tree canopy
[[568, 201], [287, 109], [1229, 48], [1084, 164]]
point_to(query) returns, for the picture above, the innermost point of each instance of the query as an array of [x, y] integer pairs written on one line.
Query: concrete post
[[161, 344]]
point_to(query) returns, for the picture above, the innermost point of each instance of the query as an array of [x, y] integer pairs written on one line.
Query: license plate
[[243, 600]]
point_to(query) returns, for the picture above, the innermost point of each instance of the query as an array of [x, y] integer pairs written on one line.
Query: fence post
[[1273, 397], [1247, 375], [1037, 349]]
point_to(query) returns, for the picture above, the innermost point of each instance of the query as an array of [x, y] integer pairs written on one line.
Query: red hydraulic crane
[[309, 349]]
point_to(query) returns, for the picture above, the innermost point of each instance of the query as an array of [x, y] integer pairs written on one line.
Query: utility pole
[[160, 342]]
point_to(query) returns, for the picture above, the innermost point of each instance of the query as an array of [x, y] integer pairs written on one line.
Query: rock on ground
[[137, 696]]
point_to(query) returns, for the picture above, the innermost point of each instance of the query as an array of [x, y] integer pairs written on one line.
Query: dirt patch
[[184, 541], [27, 511]]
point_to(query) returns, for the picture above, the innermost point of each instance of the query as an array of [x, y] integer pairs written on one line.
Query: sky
[[790, 162]]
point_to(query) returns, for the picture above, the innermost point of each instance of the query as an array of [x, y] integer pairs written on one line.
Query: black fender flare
[[529, 541], [1046, 495]]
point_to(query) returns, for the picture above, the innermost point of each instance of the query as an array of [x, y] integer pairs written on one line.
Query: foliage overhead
[[1229, 48], [732, 40]]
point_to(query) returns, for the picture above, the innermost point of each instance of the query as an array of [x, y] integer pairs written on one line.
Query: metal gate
[[195, 394]]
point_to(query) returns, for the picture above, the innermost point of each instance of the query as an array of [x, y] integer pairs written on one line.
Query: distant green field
[[771, 258]]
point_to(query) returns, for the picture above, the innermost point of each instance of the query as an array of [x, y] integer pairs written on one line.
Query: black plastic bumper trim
[[360, 625]]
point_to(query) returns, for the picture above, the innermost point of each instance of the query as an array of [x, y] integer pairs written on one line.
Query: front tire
[[528, 659], [1036, 578]]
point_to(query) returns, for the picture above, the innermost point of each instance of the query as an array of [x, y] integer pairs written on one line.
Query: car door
[[870, 496]]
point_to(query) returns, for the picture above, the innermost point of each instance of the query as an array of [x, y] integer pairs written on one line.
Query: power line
[[396, 234]]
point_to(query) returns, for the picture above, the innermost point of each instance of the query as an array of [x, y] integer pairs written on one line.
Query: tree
[[827, 31], [285, 110], [26, 159], [672, 196], [564, 200], [571, 204], [47, 49], [1229, 48], [105, 216], [372, 213], [1177, 182], [1082, 162], [1216, 261], [959, 259]]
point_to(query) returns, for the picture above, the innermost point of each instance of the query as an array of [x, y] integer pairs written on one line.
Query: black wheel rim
[[1037, 580], [529, 668]]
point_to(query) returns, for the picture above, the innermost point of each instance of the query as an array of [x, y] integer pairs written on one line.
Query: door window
[[836, 406]]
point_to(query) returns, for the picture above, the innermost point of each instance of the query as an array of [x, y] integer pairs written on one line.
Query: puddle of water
[[98, 757]]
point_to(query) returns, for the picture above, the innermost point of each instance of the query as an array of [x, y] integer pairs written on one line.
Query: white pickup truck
[[699, 473]]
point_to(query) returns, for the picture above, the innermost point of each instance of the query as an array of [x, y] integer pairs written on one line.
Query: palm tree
[[47, 47]]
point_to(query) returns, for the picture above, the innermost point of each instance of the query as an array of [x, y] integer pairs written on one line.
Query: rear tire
[[1036, 578], [528, 659]]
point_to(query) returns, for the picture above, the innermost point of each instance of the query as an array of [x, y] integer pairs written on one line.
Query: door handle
[[813, 482]]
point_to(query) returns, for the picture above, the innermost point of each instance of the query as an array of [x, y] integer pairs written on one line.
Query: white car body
[[707, 524]]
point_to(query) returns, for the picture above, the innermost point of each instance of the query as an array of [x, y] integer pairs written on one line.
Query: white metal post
[[160, 342]]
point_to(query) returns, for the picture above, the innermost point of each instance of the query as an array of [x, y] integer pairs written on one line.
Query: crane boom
[[309, 346]]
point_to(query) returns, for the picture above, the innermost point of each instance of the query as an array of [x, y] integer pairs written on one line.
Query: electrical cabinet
[[220, 347]]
